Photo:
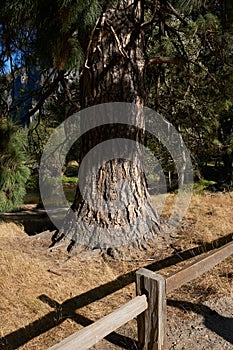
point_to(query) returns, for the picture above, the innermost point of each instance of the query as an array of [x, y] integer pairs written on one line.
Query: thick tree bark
[[112, 206]]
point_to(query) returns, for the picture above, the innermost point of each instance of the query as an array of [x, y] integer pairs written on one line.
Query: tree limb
[[175, 12], [68, 93], [164, 8], [89, 46], [168, 60], [148, 23], [120, 47], [42, 99]]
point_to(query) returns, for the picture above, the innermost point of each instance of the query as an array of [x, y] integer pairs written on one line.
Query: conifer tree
[[13, 171], [108, 40]]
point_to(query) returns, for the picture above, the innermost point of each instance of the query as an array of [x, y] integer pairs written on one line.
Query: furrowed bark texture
[[112, 206]]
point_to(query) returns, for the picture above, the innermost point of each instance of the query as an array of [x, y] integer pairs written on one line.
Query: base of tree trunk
[[82, 233], [113, 210]]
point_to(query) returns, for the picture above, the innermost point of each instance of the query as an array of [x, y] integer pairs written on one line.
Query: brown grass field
[[47, 295]]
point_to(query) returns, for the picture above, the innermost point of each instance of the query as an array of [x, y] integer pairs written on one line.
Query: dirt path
[[207, 326]]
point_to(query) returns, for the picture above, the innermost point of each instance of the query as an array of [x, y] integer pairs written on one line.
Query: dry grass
[[29, 270], [209, 217]]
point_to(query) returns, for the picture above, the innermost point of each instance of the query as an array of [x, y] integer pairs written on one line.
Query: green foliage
[[201, 185], [32, 182], [72, 169], [53, 31], [69, 180], [38, 135], [187, 6], [13, 171], [197, 96]]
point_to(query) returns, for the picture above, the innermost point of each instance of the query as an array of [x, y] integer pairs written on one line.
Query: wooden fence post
[[152, 322]]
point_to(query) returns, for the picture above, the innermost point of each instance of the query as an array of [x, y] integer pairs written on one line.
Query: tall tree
[[114, 72], [110, 38]]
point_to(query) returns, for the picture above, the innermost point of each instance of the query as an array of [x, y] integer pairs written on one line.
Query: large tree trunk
[[112, 206]]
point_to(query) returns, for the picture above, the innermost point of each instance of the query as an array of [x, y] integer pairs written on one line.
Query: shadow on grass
[[68, 308], [223, 326]]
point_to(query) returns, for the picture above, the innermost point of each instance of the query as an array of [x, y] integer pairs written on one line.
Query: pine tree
[[108, 40], [13, 171]]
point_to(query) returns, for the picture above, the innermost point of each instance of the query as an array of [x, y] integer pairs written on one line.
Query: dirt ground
[[46, 294]]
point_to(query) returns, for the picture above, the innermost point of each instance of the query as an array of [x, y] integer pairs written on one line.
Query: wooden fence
[[149, 306]]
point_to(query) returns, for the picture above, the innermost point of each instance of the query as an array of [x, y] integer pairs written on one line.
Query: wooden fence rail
[[149, 306], [92, 334], [198, 267]]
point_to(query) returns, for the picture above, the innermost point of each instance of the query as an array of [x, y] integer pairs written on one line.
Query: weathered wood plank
[[198, 267], [152, 322], [90, 335]]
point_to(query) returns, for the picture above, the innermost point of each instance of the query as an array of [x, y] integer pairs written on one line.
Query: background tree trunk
[[227, 14], [117, 208]]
